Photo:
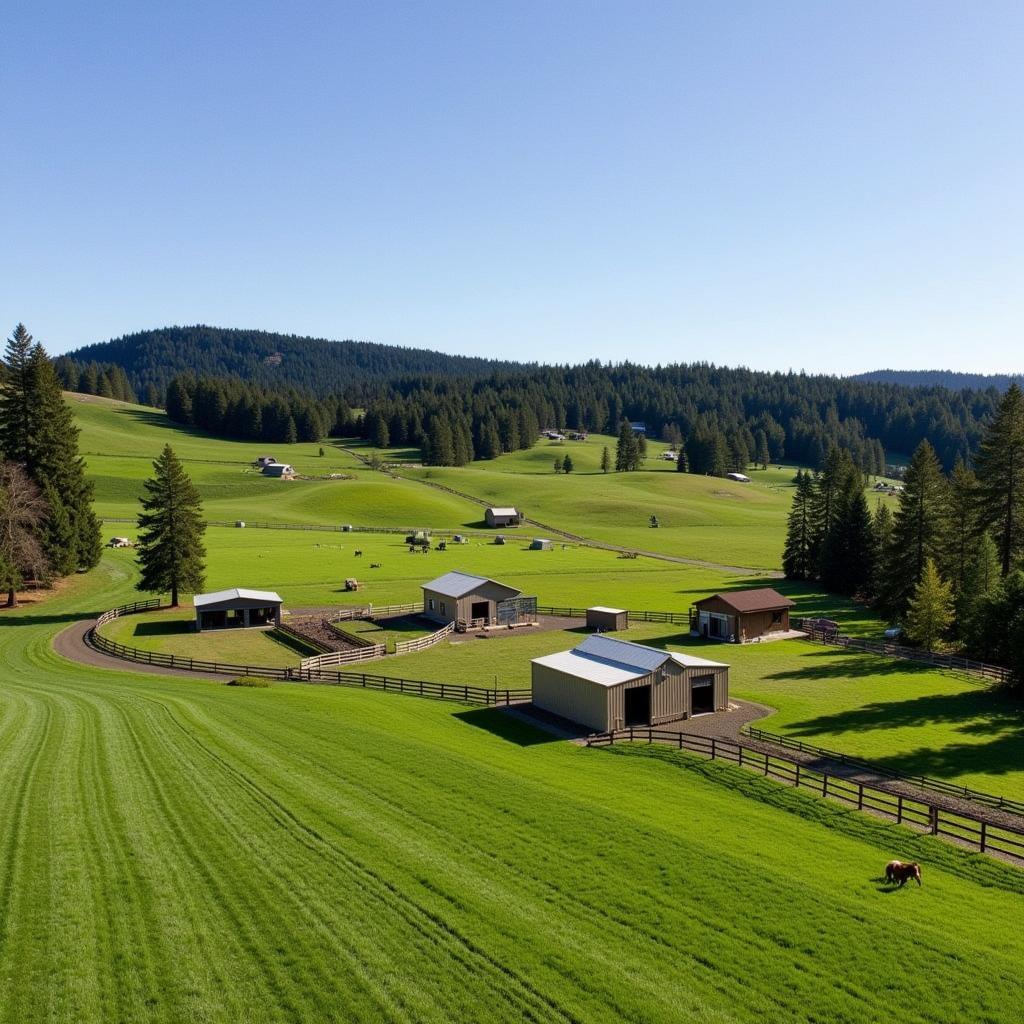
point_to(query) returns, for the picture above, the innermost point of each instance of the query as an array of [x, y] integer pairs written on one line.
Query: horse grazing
[[897, 871]]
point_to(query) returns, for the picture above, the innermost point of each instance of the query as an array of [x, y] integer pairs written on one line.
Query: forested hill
[[321, 366], [941, 378]]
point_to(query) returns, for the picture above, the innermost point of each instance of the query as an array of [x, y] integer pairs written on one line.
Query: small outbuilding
[[740, 478], [279, 469], [233, 608], [606, 684], [502, 516], [265, 460], [740, 616], [607, 620], [475, 601], [541, 544]]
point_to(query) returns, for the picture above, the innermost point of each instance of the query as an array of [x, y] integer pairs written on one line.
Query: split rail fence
[[893, 650], [388, 684], [964, 829], [998, 803]]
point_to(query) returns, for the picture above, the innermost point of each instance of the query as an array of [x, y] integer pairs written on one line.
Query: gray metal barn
[[541, 544], [502, 516], [227, 608], [606, 684], [607, 620]]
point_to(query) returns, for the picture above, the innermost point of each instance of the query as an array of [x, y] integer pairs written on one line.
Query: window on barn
[[444, 608], [430, 604], [776, 618]]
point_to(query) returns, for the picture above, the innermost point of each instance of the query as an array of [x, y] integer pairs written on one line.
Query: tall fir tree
[[796, 558], [1000, 467], [22, 513], [762, 449], [171, 554], [37, 430], [930, 608], [882, 527], [829, 485], [626, 451], [960, 535], [917, 533], [606, 459], [848, 554]]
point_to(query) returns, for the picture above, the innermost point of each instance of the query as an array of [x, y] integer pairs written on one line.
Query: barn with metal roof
[[606, 683], [237, 607], [474, 601]]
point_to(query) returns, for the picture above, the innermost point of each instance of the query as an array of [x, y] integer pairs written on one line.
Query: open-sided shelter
[[741, 615], [237, 607], [606, 684], [476, 601]]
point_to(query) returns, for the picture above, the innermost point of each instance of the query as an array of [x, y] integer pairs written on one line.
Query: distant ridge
[[322, 366], [942, 378]]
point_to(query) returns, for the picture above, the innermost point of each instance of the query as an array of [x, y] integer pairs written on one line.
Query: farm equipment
[[654, 522]]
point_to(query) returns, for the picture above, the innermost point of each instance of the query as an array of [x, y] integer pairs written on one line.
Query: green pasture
[[176, 849], [172, 632]]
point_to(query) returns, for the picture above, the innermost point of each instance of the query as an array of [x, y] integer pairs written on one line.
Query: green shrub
[[252, 681]]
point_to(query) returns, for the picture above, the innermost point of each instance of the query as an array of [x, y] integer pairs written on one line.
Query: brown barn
[[462, 597], [740, 616], [606, 684], [607, 620]]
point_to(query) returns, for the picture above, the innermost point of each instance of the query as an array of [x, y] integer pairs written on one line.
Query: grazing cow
[[897, 871], [358, 553], [375, 565]]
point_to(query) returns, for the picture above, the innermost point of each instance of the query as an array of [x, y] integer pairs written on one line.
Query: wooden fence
[[350, 657], [676, 618], [423, 642], [306, 641], [920, 781], [463, 694], [384, 611], [965, 829], [893, 650]]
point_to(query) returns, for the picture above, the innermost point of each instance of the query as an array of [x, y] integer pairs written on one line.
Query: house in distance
[[740, 616], [461, 597], [237, 607], [502, 516], [606, 684]]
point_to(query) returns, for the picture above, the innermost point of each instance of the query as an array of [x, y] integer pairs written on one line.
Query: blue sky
[[818, 185]]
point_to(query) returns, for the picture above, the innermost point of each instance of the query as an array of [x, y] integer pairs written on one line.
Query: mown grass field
[[172, 632], [179, 850]]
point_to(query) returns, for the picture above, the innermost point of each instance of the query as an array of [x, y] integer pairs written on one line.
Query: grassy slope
[[176, 850]]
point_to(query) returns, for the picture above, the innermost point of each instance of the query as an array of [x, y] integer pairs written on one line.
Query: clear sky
[[834, 186]]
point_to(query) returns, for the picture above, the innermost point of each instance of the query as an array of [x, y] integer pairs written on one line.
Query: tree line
[[722, 412], [948, 563], [47, 526]]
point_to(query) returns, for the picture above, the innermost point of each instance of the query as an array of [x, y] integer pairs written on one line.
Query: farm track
[[736, 570]]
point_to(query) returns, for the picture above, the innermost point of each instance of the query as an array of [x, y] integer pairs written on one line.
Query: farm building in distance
[[606, 684], [506, 516], [264, 460], [740, 478], [278, 469], [607, 620], [741, 615], [476, 601], [231, 608], [541, 544]]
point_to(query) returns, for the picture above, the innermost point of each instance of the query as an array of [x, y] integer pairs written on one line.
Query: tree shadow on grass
[[839, 663], [498, 722], [166, 627], [974, 712]]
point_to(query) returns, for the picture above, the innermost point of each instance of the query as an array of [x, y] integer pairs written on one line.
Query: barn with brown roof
[[740, 616]]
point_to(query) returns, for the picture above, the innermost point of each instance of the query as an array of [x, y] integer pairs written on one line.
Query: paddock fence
[[306, 641], [998, 803], [955, 662], [675, 618], [964, 829], [423, 642], [463, 694], [350, 657]]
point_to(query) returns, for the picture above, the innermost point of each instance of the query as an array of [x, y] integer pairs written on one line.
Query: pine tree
[[626, 451], [796, 558], [18, 412], [917, 529], [849, 554], [959, 527], [882, 527], [606, 460], [558, 464], [719, 462], [641, 450], [567, 464], [930, 609], [682, 461], [1000, 466], [829, 485], [762, 449], [291, 434], [170, 550]]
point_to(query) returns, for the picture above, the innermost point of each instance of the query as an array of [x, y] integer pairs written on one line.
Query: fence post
[[797, 774], [860, 796], [899, 809], [981, 838], [714, 750], [824, 785], [933, 819], [740, 762], [766, 765]]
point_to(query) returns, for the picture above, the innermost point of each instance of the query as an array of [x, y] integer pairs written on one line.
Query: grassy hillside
[[178, 850]]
